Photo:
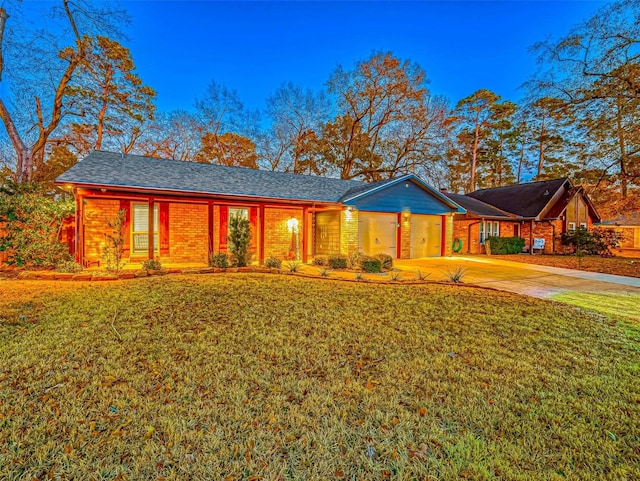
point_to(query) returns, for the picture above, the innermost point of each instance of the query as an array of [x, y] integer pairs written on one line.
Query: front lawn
[[619, 266], [263, 377]]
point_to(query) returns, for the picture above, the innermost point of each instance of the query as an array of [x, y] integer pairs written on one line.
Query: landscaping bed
[[268, 377], [619, 266]]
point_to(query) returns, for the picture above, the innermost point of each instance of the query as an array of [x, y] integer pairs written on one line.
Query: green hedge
[[371, 264], [505, 245], [337, 261]]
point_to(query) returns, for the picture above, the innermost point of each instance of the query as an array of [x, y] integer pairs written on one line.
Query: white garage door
[[426, 235], [377, 233]]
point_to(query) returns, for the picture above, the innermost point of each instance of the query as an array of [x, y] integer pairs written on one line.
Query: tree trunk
[[474, 156], [543, 133]]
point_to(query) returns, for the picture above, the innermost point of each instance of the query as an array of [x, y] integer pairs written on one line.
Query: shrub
[[70, 267], [321, 260], [113, 247], [324, 272], [32, 226], [152, 265], [219, 260], [355, 260], [505, 245], [386, 260], [594, 242], [337, 261], [293, 266], [456, 275], [273, 262], [370, 264], [239, 240]]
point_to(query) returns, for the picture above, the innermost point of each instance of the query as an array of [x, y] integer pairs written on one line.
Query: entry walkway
[[530, 279]]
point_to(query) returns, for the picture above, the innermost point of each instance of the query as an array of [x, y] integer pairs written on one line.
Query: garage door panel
[[377, 233], [426, 236]]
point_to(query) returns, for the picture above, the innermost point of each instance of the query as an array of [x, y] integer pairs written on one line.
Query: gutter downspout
[[469, 236]]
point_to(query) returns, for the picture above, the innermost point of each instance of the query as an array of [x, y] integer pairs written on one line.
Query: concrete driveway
[[529, 279]]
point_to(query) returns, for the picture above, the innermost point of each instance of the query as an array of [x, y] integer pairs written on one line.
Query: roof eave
[[188, 193]]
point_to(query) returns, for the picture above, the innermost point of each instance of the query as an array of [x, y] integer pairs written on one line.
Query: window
[[571, 226], [242, 212], [583, 225], [140, 228], [488, 229]]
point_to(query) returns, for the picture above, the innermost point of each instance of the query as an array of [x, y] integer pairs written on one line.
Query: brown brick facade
[[348, 232], [96, 214], [405, 236], [279, 241], [188, 235]]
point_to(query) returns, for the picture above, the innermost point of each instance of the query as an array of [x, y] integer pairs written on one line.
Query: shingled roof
[[114, 170], [524, 200], [477, 207]]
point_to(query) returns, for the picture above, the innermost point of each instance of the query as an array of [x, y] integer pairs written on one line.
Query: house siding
[[402, 197]]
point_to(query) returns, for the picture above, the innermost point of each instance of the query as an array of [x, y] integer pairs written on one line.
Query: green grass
[[615, 305], [275, 377]]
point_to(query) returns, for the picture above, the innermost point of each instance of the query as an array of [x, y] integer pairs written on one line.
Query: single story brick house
[[179, 211], [628, 227], [534, 210]]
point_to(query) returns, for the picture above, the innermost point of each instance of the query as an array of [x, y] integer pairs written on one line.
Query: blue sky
[[253, 47]]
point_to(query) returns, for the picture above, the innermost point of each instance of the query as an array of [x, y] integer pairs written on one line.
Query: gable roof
[[368, 189], [135, 172], [101, 169], [477, 207], [524, 200]]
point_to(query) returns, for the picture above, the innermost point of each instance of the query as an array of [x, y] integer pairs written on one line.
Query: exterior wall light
[[292, 225]]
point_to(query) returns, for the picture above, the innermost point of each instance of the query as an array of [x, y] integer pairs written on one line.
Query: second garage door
[[426, 235], [377, 233]]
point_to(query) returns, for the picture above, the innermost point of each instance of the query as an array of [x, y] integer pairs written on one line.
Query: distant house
[[535, 210], [179, 211], [629, 229]]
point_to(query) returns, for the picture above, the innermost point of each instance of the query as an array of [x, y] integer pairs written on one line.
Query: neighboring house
[[535, 210], [187, 206], [629, 229]]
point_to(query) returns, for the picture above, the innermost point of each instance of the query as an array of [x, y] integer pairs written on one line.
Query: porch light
[[292, 225]]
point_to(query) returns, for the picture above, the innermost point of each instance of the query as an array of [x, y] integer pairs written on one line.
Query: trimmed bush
[[505, 245], [371, 264], [219, 260], [272, 263], [321, 260], [337, 261], [355, 259], [152, 265], [386, 260]]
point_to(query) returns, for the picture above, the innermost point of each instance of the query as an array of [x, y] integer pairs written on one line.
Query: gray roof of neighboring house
[[525, 200], [477, 207], [632, 219], [110, 169]]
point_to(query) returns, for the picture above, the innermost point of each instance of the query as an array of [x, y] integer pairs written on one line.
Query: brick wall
[[278, 240], [188, 237], [348, 231], [96, 214], [448, 235], [405, 236], [544, 230]]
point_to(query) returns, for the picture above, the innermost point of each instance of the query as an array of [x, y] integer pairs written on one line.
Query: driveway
[[537, 281]]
